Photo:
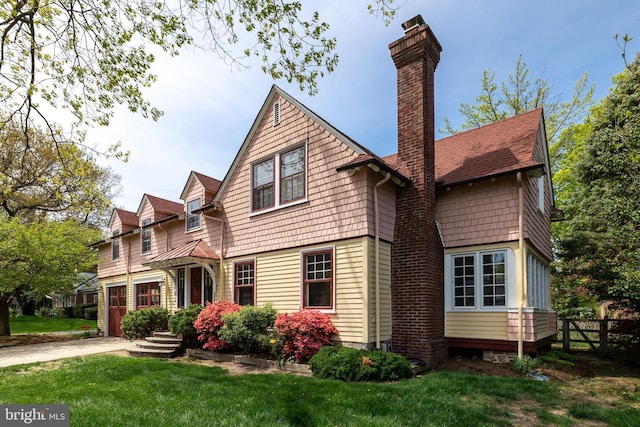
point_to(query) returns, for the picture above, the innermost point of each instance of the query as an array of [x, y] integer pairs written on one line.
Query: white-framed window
[[541, 193], [115, 246], [280, 180], [537, 282], [480, 279], [145, 236], [193, 219], [244, 282], [318, 271]]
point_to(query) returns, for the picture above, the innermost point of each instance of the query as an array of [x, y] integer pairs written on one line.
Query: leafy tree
[[41, 178], [520, 94], [88, 55], [600, 245], [44, 256]]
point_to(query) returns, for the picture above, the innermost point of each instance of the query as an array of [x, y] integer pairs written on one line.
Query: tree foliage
[[41, 178], [44, 256], [87, 56], [599, 247], [519, 94]]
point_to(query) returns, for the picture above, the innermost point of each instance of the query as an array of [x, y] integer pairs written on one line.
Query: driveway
[[20, 355]]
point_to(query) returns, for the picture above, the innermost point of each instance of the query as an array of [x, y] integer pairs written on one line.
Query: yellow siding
[[476, 325], [278, 281], [385, 291]]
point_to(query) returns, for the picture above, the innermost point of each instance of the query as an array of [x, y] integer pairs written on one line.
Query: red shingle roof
[[164, 206], [210, 184], [128, 219], [490, 150]]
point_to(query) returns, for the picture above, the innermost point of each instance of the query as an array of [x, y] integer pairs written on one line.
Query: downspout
[[377, 257], [221, 272], [521, 265]]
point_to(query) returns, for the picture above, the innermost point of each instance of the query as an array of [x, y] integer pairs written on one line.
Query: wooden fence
[[594, 332]]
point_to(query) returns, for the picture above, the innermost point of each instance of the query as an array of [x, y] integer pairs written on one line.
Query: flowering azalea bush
[[209, 323], [301, 334]]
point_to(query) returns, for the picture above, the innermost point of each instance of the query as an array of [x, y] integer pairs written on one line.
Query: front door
[[196, 286], [117, 309]]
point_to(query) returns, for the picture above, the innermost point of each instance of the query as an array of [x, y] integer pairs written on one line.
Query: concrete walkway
[[47, 352]]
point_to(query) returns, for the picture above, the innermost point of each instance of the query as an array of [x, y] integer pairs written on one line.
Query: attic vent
[[276, 113]]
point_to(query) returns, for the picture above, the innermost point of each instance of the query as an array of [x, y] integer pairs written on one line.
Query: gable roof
[[128, 219], [264, 110], [194, 251], [210, 184], [491, 150], [160, 205]]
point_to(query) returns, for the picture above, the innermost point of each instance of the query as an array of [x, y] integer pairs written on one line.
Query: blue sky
[[209, 105]]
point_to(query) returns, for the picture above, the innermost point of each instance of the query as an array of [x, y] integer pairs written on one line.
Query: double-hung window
[[115, 246], [279, 180], [193, 219], [146, 236], [317, 283], [479, 280], [244, 282]]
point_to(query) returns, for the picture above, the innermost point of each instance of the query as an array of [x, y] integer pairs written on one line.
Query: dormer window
[[280, 180], [115, 245], [146, 236], [193, 219]]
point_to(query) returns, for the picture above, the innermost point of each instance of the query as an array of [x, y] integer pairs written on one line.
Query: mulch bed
[[27, 339]]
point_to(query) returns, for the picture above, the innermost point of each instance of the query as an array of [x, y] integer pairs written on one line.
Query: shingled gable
[[491, 150], [128, 219], [160, 206], [266, 108], [211, 185]]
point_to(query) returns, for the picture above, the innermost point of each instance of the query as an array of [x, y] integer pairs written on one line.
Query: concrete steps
[[161, 344]]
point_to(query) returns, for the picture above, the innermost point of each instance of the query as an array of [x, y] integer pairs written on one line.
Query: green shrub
[[348, 364], [13, 312], [182, 323], [44, 312], [91, 313], [524, 365], [141, 323], [59, 312], [77, 310], [249, 329]]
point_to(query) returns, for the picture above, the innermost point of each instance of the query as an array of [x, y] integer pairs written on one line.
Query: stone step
[[156, 345], [148, 352], [163, 340], [165, 334]]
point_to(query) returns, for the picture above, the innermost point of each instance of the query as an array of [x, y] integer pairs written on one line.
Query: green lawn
[[108, 390], [36, 325]]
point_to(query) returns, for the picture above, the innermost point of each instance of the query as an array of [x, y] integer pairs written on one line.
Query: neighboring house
[[443, 244], [85, 292]]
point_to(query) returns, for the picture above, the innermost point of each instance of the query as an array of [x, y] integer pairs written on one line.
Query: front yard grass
[[109, 390], [37, 325]]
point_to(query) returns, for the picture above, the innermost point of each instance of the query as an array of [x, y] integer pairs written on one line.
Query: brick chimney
[[417, 253]]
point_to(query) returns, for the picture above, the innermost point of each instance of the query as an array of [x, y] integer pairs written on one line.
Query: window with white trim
[[115, 246], [244, 282], [147, 295], [193, 219], [146, 236], [317, 282], [479, 279], [537, 282], [279, 180]]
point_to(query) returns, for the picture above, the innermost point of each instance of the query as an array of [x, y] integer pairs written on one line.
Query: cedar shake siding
[[300, 193], [416, 255]]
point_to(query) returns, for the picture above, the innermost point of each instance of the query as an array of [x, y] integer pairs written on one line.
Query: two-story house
[[446, 243]]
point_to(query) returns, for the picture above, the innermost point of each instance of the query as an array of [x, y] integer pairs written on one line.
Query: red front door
[[117, 309], [196, 286]]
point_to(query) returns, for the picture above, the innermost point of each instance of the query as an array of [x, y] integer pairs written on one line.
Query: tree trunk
[[4, 317]]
